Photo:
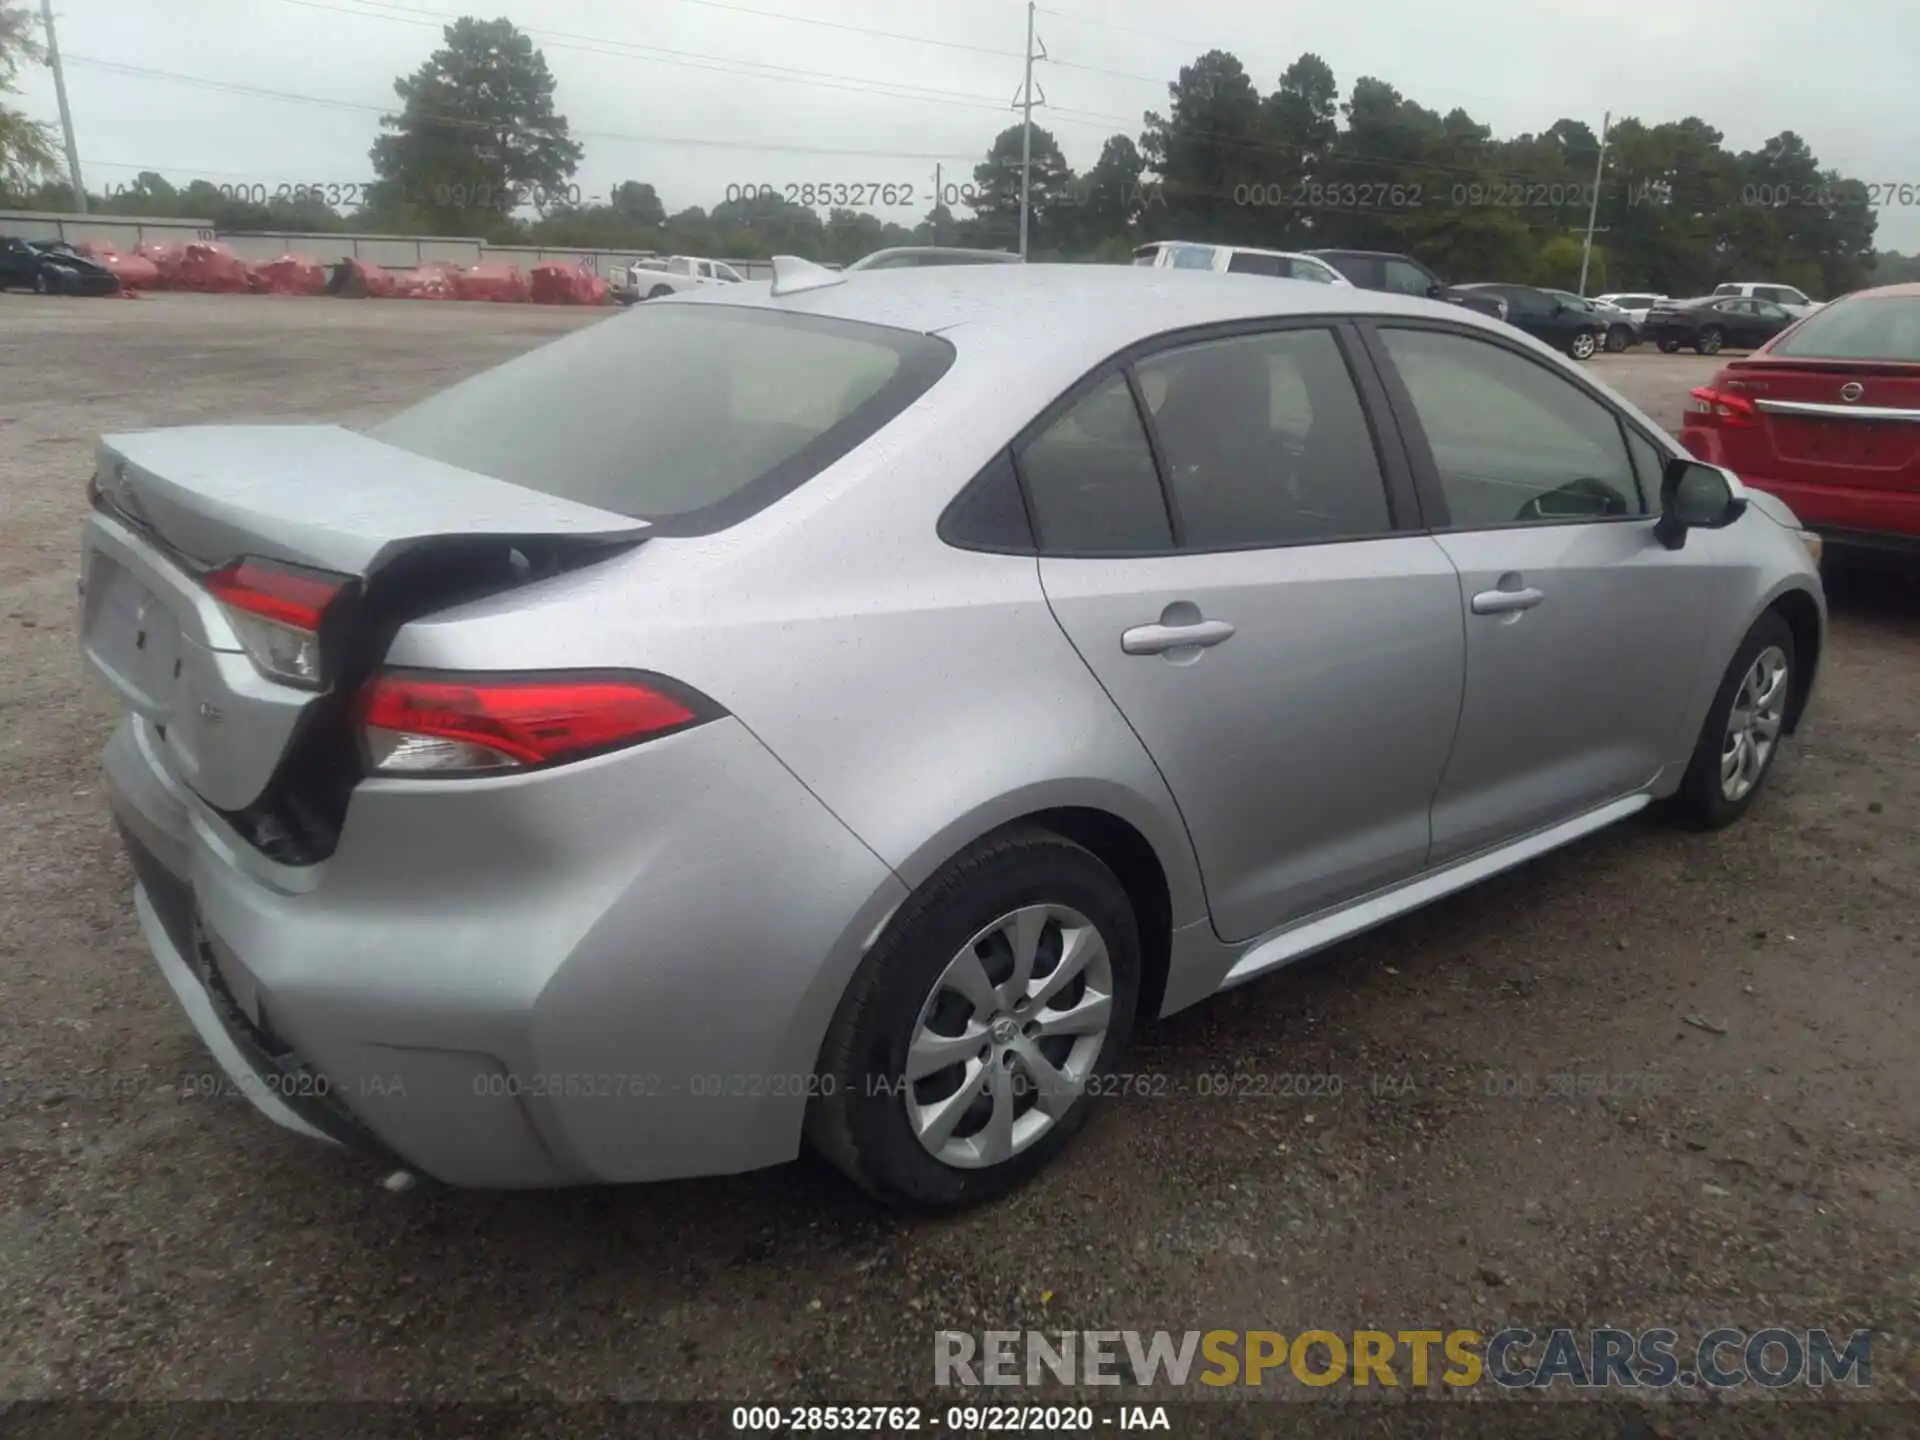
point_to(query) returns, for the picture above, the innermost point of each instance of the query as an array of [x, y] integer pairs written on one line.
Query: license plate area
[[1849, 444], [132, 636]]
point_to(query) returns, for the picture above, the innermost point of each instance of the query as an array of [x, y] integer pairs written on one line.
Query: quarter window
[[1091, 481], [1513, 442], [1264, 442]]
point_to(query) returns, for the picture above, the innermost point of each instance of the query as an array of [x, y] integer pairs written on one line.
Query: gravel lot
[[1762, 1170]]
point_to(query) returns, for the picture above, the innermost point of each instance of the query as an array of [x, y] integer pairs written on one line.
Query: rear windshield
[[691, 416], [1867, 328]]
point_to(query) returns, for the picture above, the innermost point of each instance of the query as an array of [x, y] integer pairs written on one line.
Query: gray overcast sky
[[1845, 74]]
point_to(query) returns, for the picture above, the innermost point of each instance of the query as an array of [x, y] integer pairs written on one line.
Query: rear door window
[[1193, 257], [1403, 277], [688, 416], [1264, 442], [1252, 262]]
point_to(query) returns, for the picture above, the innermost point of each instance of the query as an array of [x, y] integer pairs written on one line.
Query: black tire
[[1710, 340], [1701, 803], [858, 1120], [657, 291], [1668, 347], [1619, 337], [1583, 344]]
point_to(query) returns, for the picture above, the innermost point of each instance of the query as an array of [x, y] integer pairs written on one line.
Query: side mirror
[[1697, 496], [1435, 291]]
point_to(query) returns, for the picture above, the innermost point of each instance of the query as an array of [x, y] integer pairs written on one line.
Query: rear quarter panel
[[923, 693]]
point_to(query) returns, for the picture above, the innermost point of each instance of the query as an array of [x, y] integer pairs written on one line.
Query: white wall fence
[[391, 252]]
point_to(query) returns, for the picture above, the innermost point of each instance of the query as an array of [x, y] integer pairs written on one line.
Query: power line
[[661, 55], [258, 92]]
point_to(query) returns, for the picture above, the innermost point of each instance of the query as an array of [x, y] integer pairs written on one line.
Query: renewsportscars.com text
[[1512, 1358]]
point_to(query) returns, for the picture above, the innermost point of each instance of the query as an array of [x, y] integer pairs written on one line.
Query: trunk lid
[[1844, 422], [409, 533]]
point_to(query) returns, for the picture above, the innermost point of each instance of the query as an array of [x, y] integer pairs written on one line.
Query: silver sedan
[[837, 710]]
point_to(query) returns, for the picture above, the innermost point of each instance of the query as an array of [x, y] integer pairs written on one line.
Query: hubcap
[[1006, 1040], [1753, 725]]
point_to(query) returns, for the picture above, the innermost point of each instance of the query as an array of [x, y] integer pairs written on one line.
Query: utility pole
[[66, 115], [938, 171], [1026, 129], [1593, 208]]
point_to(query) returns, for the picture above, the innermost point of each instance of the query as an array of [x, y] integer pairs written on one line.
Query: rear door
[[1584, 634], [1242, 571]]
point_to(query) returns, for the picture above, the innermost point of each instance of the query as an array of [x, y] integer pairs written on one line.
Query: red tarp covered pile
[[165, 260], [556, 284], [359, 280], [210, 268], [491, 282], [290, 275], [134, 272], [436, 280]]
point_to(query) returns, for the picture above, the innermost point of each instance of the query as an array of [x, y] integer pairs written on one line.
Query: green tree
[[1557, 265], [1206, 146], [26, 146], [637, 204], [996, 202], [477, 135], [1105, 203]]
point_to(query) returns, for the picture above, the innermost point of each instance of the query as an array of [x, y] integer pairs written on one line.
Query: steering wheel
[[1578, 499]]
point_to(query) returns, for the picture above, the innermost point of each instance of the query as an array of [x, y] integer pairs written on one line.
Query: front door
[[1291, 660], [1584, 635]]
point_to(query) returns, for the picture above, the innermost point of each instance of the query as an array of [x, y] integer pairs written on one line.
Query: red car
[[1826, 416]]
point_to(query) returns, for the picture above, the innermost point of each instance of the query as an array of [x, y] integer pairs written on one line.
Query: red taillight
[[276, 593], [277, 611], [416, 724], [1732, 412]]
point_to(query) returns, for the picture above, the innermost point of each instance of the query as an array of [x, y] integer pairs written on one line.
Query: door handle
[[1158, 639], [1507, 602]]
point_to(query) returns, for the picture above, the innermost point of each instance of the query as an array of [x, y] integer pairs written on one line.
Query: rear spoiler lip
[[323, 496]]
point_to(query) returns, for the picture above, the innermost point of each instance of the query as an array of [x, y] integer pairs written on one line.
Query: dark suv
[[1402, 275]]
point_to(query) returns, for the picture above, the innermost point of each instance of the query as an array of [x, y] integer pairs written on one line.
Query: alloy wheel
[[1006, 1041], [1711, 340], [1753, 724], [1582, 347]]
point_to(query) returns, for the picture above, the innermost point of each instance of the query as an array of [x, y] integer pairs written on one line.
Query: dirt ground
[[1655, 1079]]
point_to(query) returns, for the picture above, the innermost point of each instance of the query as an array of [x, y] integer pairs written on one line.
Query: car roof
[[1088, 311], [1004, 256]]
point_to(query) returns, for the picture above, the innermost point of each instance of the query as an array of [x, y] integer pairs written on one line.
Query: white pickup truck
[[650, 279]]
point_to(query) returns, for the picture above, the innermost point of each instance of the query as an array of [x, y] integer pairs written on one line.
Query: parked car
[[1237, 260], [650, 279], [49, 267], [540, 817], [900, 257], [1827, 417], [1636, 303], [1403, 275], [1708, 323], [1620, 331], [1576, 328], [1787, 297]]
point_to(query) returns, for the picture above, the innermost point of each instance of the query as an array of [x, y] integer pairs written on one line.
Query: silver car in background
[[839, 709]]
